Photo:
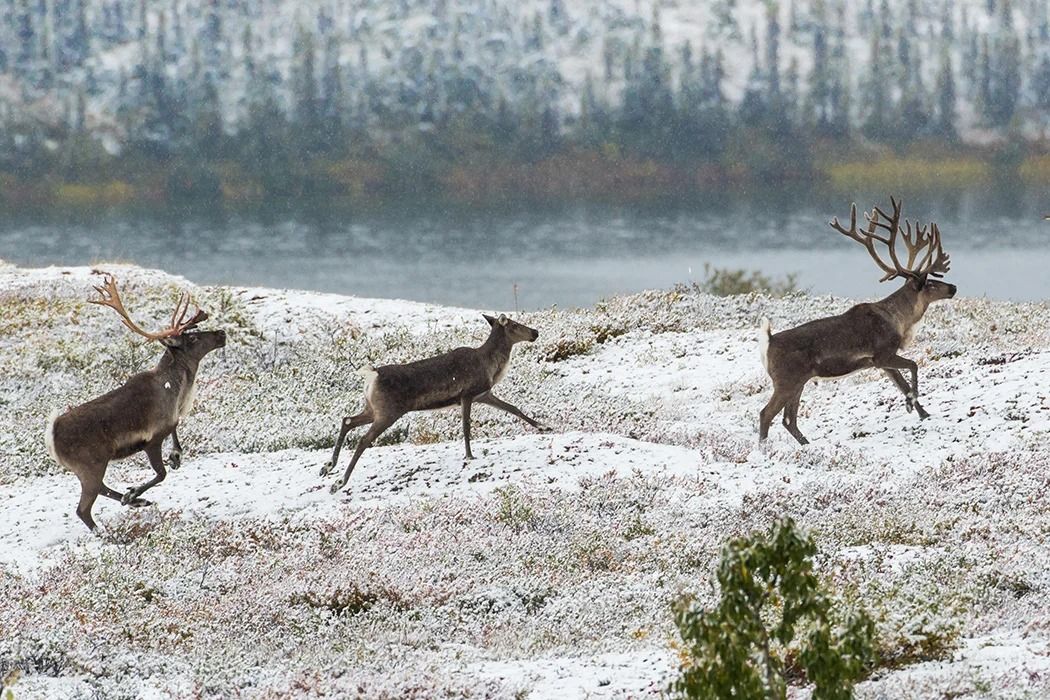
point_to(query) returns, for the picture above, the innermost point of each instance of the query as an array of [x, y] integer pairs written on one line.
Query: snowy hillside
[[147, 68], [546, 567]]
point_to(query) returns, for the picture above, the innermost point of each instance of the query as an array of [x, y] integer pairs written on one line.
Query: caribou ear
[[492, 321], [174, 341], [503, 319]]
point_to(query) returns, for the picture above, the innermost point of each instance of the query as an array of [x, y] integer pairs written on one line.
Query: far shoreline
[[597, 177]]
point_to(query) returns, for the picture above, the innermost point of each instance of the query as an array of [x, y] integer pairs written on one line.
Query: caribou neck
[[178, 363], [905, 307], [497, 346], [495, 353]]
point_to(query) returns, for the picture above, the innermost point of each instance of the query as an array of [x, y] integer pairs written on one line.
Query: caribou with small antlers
[[460, 377], [137, 416], [867, 335]]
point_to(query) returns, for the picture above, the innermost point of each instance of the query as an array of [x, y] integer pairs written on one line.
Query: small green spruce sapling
[[772, 609]]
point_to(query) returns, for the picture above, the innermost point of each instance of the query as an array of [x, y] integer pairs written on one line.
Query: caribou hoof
[[175, 460], [923, 415], [139, 502], [326, 469], [128, 497], [334, 489], [545, 429]]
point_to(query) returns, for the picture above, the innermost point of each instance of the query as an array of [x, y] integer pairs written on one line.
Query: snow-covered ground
[[547, 566]]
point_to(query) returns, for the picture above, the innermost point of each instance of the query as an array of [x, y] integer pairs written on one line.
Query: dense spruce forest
[[115, 100]]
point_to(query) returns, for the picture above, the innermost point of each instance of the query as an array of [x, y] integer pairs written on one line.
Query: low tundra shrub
[[349, 600], [724, 282], [774, 620]]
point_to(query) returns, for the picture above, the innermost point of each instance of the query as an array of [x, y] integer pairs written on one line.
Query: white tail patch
[[49, 434], [370, 374], [763, 341]]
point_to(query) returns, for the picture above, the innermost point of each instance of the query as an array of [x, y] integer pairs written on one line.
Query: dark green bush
[[724, 282], [741, 650]]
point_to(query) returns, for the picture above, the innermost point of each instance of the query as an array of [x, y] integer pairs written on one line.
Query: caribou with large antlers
[[137, 416], [867, 335]]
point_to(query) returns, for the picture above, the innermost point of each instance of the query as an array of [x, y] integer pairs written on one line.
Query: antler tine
[[916, 243], [181, 308], [934, 260], [942, 262], [874, 223], [198, 317], [892, 222], [867, 239], [852, 233], [926, 242], [110, 296], [906, 235], [893, 226], [891, 247], [179, 324]]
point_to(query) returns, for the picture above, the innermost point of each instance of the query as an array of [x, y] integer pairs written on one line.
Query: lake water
[[568, 256]]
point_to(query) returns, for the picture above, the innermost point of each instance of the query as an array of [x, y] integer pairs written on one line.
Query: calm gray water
[[1000, 247]]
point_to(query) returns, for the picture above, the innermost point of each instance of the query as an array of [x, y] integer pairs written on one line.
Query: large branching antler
[[868, 239], [921, 243], [110, 296]]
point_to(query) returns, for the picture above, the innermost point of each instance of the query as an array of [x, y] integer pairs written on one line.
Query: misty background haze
[[448, 151]]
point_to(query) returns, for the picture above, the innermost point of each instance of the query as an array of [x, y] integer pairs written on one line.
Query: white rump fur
[[370, 374], [763, 341], [49, 434]]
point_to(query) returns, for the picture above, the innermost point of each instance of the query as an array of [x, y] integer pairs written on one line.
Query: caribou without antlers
[[137, 416], [867, 335], [460, 377]]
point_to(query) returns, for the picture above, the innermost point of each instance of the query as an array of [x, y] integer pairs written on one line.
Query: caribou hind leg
[[785, 398], [89, 491], [791, 417], [776, 405], [769, 412], [380, 424], [349, 423]]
